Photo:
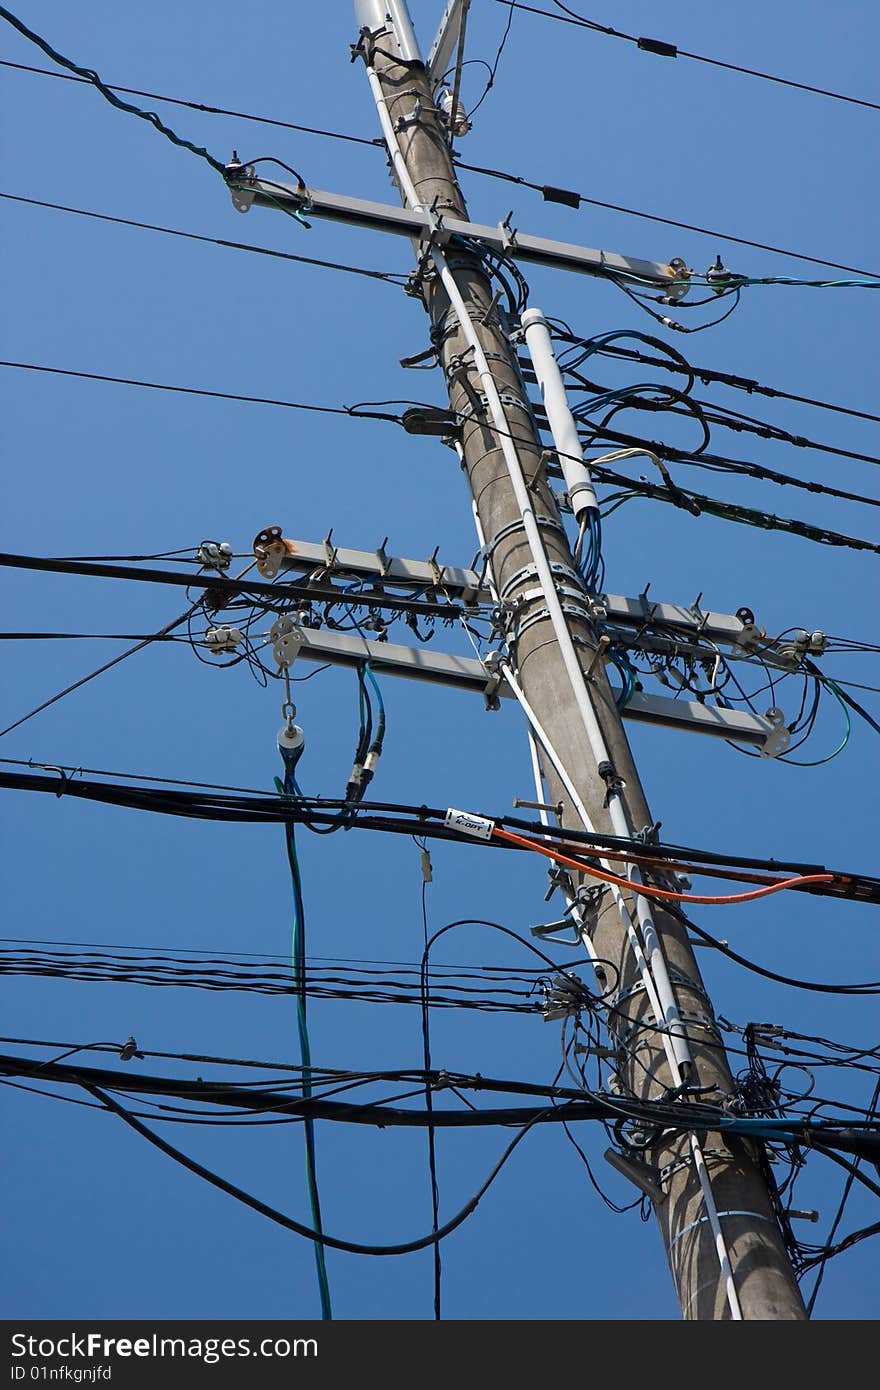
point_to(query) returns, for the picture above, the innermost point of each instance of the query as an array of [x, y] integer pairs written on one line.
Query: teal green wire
[[622, 497], [811, 284], [298, 965], [109, 95], [368, 672], [818, 762]]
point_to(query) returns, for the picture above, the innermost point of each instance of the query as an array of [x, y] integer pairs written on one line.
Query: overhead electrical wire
[[493, 67], [663, 49], [570, 198], [389, 277], [107, 1101], [649, 890], [500, 991], [352, 412], [220, 590], [696, 502], [422, 821], [674, 362], [839, 1134], [838, 1217], [727, 511], [550, 193], [842, 1055], [425, 1003], [202, 107], [675, 402], [869, 987], [88, 75], [718, 463], [108, 665]]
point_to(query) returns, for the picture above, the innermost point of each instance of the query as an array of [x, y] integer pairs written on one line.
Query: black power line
[[221, 589], [710, 374], [390, 277], [376, 143], [662, 49], [352, 411], [394, 818], [568, 197], [692, 501], [114, 661]]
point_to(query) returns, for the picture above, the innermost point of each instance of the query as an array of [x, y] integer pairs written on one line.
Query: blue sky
[[102, 1225]]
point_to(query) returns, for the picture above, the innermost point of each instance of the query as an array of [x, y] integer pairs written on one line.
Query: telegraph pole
[[713, 1206]]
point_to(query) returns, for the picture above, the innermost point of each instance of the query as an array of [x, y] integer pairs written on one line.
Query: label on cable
[[469, 824]]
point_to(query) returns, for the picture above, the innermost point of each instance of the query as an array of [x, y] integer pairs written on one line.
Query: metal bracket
[[270, 551], [700, 617], [436, 569], [779, 738], [287, 639], [598, 655], [382, 557], [330, 551], [413, 118], [508, 234]]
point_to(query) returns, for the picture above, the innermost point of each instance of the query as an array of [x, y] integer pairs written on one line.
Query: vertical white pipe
[[562, 423]]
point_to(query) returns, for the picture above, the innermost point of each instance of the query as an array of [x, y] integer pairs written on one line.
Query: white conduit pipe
[[666, 1005], [563, 426]]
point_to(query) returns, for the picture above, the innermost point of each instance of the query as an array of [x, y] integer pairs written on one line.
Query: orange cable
[[648, 891]]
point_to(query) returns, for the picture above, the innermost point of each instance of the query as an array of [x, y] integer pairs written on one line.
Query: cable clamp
[[514, 526], [530, 572], [424, 270], [238, 178], [686, 1161], [689, 1017], [577, 595], [543, 614]]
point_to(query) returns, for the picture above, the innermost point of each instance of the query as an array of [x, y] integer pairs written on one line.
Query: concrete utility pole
[[724, 1244]]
